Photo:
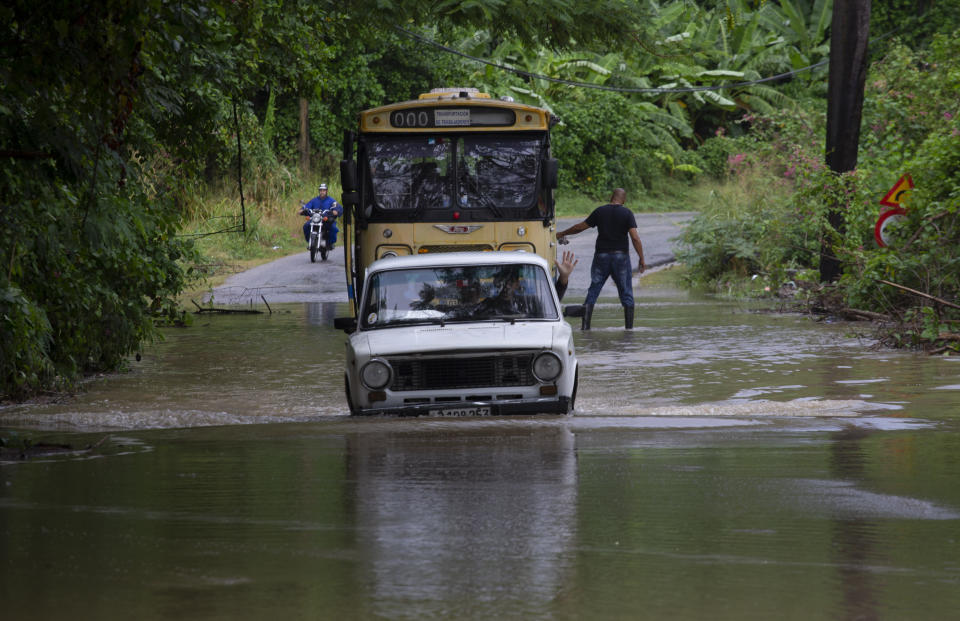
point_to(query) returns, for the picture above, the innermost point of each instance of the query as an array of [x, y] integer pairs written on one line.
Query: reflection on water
[[321, 314], [446, 518], [517, 518], [853, 537], [721, 464]]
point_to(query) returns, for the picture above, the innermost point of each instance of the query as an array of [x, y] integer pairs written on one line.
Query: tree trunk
[[849, 32], [303, 144]]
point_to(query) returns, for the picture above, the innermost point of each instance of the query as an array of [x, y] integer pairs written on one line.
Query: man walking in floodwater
[[611, 258]]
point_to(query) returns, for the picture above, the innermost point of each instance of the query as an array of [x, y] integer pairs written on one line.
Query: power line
[[619, 89]]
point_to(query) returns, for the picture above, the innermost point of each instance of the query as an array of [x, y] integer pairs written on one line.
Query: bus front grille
[[462, 372], [456, 248]]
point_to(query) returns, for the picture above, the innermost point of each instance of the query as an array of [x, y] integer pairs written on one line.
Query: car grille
[[462, 372]]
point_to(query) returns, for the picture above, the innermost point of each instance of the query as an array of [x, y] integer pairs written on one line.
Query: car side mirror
[[574, 310], [347, 324]]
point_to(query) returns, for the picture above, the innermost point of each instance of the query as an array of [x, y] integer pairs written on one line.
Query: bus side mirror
[[551, 173], [348, 180], [349, 138]]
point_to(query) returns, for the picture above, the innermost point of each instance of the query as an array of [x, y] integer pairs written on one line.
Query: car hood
[[459, 337]]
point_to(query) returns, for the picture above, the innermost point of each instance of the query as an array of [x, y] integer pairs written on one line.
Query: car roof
[[446, 259]]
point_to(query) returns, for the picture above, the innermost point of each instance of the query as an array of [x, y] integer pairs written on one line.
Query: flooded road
[[721, 463]]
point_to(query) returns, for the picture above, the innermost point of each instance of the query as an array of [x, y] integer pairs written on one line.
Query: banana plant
[[683, 46], [804, 26]]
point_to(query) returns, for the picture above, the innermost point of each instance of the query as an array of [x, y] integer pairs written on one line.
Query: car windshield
[[458, 293]]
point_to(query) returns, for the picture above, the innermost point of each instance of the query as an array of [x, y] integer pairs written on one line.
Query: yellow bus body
[[381, 239], [460, 113]]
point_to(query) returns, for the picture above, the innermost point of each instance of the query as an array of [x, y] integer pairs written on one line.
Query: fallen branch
[[236, 311], [920, 293], [98, 443], [870, 315]]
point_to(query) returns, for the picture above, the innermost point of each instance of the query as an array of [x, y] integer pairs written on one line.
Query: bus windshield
[[421, 172], [461, 293]]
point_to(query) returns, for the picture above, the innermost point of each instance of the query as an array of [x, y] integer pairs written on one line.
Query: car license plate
[[465, 411]]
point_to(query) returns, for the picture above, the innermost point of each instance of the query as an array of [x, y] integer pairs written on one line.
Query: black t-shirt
[[613, 224]]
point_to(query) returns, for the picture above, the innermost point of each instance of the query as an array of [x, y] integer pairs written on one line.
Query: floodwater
[[722, 463]]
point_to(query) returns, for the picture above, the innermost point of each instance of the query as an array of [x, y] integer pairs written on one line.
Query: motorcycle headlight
[[375, 374], [316, 217], [547, 367]]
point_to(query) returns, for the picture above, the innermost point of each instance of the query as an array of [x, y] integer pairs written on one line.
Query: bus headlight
[[375, 374], [547, 366]]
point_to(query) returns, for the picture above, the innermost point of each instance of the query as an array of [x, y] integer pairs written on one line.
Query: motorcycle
[[321, 223]]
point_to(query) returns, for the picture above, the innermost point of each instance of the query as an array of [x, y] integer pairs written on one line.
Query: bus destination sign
[[450, 118], [460, 116]]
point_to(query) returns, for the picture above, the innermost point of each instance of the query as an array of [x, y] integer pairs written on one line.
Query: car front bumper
[[469, 409]]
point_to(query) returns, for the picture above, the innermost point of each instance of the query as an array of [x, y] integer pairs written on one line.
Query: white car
[[460, 334]]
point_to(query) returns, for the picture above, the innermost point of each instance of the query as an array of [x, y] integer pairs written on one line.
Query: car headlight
[[375, 374], [547, 366]]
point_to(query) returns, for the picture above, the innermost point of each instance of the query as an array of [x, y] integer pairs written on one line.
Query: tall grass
[[232, 237]]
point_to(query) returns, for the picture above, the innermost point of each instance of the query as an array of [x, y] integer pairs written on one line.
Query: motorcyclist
[[322, 202]]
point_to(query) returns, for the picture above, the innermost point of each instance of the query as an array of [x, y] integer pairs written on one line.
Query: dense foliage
[[910, 125], [89, 253]]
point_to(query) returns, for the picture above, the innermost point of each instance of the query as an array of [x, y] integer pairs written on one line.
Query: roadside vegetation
[[763, 233], [128, 128]]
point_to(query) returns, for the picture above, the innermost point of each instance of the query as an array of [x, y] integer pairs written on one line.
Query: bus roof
[[524, 117], [455, 91]]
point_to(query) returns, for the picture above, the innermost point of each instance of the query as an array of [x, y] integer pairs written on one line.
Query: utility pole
[[849, 32]]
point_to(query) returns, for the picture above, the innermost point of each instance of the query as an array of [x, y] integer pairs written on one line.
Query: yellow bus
[[453, 170]]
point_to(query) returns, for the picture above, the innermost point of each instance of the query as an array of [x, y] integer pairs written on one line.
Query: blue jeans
[[611, 264]]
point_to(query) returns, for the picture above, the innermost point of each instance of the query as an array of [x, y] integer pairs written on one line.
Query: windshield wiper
[[489, 205], [500, 317]]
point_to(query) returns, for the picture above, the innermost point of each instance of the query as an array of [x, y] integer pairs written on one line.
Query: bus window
[[500, 171], [410, 173]]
